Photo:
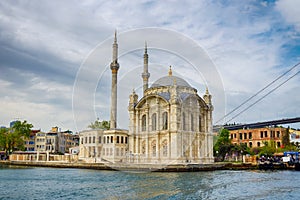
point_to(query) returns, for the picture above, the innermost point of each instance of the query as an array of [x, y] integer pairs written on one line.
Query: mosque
[[169, 124]]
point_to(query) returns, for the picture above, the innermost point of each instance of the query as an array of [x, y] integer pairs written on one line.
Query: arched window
[[183, 121], [165, 148], [165, 121], [144, 123], [153, 119], [192, 122]]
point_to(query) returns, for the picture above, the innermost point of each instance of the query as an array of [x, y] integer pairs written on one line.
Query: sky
[[55, 56]]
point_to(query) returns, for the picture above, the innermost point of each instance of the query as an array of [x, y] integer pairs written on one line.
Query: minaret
[[145, 74], [114, 66]]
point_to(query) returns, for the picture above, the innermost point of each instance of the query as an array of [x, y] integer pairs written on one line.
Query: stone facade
[[170, 124], [103, 145]]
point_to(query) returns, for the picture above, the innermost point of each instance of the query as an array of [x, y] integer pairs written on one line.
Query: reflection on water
[[49, 183]]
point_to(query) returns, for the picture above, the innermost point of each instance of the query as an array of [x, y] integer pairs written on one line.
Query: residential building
[[29, 143], [257, 137]]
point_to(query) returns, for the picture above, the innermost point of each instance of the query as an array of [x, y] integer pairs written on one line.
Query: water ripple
[[49, 183]]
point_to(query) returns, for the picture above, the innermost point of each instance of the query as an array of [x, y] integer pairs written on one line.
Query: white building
[[170, 123]]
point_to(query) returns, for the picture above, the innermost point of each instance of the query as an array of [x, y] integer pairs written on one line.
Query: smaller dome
[[169, 81]]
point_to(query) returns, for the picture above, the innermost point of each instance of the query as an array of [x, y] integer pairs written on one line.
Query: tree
[[223, 144], [100, 125], [13, 138], [286, 138]]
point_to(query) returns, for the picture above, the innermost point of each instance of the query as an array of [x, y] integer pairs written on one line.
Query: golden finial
[[206, 92], [170, 71]]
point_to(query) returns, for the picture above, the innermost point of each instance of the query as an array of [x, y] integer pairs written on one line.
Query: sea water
[[56, 183]]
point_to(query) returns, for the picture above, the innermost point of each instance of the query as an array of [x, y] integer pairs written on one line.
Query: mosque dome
[[169, 81]]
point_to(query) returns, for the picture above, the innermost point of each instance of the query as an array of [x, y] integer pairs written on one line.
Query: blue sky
[[45, 43]]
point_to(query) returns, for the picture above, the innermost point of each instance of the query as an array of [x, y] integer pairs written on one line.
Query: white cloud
[[290, 10], [243, 39]]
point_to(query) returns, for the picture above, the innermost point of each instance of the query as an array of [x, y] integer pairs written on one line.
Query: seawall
[[137, 167]]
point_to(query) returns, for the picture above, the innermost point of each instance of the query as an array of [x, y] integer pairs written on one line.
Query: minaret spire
[[114, 66], [145, 74], [115, 49]]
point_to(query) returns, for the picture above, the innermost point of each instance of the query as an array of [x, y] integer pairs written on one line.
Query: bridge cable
[[261, 90], [263, 96]]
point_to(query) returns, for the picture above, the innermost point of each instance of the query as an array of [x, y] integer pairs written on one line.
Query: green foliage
[[13, 138], [100, 125], [289, 147], [286, 138], [267, 151], [223, 144]]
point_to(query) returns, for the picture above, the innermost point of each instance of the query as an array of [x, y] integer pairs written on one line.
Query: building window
[[153, 119], [258, 144], [111, 139], [235, 135], [81, 140], [199, 123], [85, 140], [94, 139], [278, 134], [241, 136], [153, 146], [144, 123], [250, 135], [90, 140], [250, 144], [183, 121], [104, 141], [122, 139], [165, 121], [266, 133], [165, 148], [126, 140], [272, 134], [261, 134], [231, 136], [192, 122], [118, 139], [278, 145], [107, 139], [245, 136], [99, 139]]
